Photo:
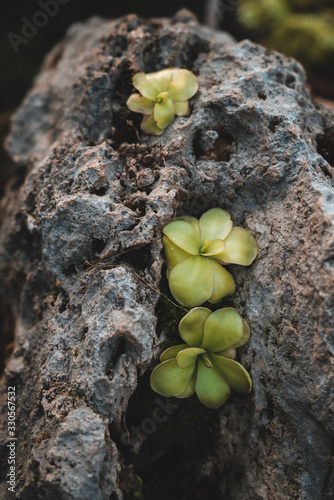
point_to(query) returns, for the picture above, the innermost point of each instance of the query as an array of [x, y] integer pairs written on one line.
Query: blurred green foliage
[[303, 29]]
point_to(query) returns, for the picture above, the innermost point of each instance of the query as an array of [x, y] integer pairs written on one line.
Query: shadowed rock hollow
[[92, 188]]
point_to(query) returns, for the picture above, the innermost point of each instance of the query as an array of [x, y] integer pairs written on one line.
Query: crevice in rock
[[139, 258], [117, 346], [7, 326], [100, 191], [168, 315], [325, 146], [125, 123], [163, 436]]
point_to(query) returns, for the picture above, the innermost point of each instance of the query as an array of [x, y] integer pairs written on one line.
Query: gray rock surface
[[80, 260]]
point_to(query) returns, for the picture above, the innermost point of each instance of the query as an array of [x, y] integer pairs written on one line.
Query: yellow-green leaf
[[164, 113], [173, 253], [215, 224], [235, 374], [190, 389], [223, 283], [182, 108], [146, 86], [183, 85], [215, 247], [140, 104], [172, 352], [149, 126], [211, 387], [192, 220], [168, 379], [222, 329], [240, 248], [191, 326], [184, 235], [191, 281], [188, 356]]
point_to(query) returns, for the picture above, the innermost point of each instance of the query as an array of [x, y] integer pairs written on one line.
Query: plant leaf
[[240, 248], [149, 126], [182, 108], [211, 387], [215, 247], [146, 86], [164, 113], [161, 78], [140, 104], [236, 374], [222, 329], [245, 335], [172, 352], [173, 253], [184, 235], [231, 353], [223, 282], [188, 356], [192, 220], [168, 379], [183, 85], [191, 326], [191, 281], [190, 389], [215, 224]]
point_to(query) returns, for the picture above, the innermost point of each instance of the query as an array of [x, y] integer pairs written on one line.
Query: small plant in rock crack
[[163, 95], [195, 251], [205, 364]]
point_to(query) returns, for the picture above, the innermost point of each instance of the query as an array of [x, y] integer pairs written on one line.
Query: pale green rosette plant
[[195, 251], [163, 95], [205, 364]]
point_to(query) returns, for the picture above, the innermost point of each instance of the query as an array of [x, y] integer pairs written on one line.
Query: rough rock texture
[[81, 260]]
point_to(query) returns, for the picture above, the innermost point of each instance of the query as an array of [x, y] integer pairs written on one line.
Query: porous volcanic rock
[[81, 263]]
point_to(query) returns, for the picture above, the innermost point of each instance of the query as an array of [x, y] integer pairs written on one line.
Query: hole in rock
[[325, 145], [274, 122], [262, 95], [98, 245], [169, 441], [138, 258], [290, 81], [117, 347], [213, 144], [69, 270], [65, 302], [100, 191]]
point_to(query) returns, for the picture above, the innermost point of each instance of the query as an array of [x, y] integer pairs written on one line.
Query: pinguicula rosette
[[195, 251], [205, 364], [163, 95]]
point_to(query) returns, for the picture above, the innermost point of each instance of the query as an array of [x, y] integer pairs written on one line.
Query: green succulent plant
[[163, 95], [194, 251], [205, 364]]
